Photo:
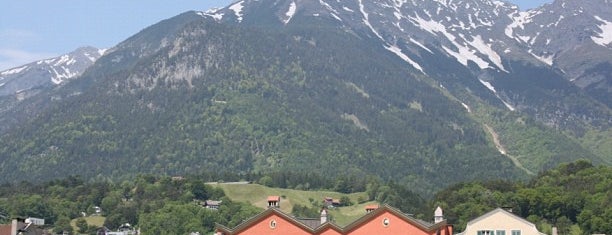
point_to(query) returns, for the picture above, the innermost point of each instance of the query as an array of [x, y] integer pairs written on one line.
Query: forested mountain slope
[[309, 100], [337, 88]]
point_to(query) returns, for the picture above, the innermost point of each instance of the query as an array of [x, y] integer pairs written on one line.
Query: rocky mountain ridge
[[48, 72], [568, 39]]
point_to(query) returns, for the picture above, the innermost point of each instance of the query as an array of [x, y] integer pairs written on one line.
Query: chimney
[[554, 231], [323, 216], [14, 225], [438, 215]]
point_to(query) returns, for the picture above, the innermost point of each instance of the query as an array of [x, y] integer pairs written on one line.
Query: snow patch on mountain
[[366, 20], [396, 50], [14, 71], [518, 21], [348, 9], [488, 85], [420, 45], [545, 59], [237, 8], [64, 74], [65, 59], [329, 7], [443, 2], [492, 88], [291, 12], [605, 37], [399, 3], [469, 110], [91, 58], [509, 106], [215, 13], [464, 55], [486, 49]]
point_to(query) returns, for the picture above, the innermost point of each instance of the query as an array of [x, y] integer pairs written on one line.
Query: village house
[[370, 208], [211, 204], [331, 202], [500, 222], [23, 227], [274, 201]]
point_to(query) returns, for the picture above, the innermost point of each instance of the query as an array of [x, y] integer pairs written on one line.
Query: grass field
[[97, 221], [257, 195]]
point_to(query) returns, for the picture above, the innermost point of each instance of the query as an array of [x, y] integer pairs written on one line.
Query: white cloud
[[10, 58], [12, 44]]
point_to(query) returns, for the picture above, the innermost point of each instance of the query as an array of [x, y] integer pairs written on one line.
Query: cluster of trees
[[157, 205], [575, 193]]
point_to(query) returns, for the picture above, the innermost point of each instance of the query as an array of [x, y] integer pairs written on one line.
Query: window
[[516, 232], [486, 232], [272, 224], [385, 222], [500, 232]]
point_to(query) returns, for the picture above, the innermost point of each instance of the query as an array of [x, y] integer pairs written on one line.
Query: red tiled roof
[[5, 229], [371, 207], [312, 229], [273, 198]]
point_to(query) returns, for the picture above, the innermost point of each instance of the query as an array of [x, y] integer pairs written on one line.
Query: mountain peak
[[48, 72]]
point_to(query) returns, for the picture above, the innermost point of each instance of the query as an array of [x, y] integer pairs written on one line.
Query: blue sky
[[31, 30]]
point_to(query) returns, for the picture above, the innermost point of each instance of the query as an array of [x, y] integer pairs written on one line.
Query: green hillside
[[275, 102], [256, 195], [190, 95]]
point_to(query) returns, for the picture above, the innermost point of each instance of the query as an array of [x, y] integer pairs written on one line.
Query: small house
[[274, 201], [212, 204], [370, 208], [500, 222]]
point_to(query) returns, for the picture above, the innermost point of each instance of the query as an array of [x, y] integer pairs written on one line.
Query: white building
[[500, 222]]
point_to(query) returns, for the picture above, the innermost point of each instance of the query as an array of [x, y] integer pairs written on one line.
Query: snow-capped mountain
[[573, 36], [521, 58], [47, 73], [426, 92]]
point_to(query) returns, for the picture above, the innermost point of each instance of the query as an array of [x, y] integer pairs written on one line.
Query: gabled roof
[[273, 198], [330, 225], [213, 203], [5, 229], [386, 208], [253, 220], [311, 223], [326, 226], [500, 210]]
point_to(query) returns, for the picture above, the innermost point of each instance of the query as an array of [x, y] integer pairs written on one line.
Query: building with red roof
[[274, 201], [381, 221]]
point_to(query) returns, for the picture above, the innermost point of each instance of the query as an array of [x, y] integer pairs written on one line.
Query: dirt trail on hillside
[[503, 150]]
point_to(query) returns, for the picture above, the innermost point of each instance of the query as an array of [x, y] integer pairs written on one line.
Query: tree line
[[573, 195]]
